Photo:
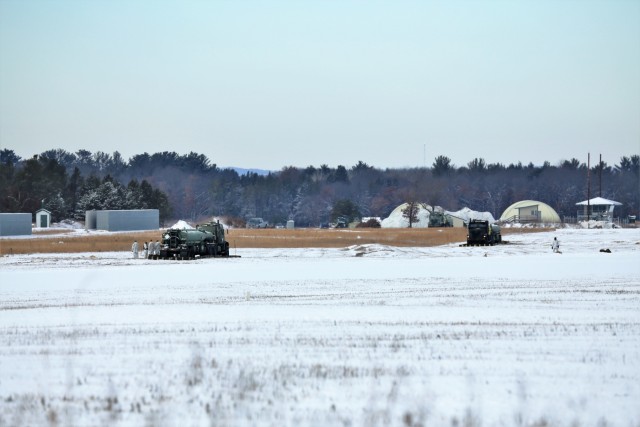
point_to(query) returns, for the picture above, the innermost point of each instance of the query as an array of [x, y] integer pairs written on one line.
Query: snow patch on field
[[371, 249], [68, 224], [493, 336]]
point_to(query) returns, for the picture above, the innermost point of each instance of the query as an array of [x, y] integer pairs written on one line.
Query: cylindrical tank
[[194, 236]]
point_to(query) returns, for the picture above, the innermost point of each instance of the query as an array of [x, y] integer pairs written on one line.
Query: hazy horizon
[[429, 162], [271, 84]]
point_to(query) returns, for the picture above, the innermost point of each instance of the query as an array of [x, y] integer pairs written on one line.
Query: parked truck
[[482, 233], [206, 240]]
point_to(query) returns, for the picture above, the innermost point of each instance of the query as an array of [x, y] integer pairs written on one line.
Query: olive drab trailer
[[206, 240], [483, 233]]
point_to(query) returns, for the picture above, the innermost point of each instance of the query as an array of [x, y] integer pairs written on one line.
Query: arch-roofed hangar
[[530, 211]]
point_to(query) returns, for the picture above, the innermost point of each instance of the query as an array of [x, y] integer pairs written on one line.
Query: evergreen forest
[[192, 187]]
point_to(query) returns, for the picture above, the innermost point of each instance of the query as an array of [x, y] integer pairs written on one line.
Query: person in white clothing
[[555, 246], [134, 249], [145, 249]]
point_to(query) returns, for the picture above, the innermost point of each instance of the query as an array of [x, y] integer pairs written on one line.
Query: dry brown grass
[[248, 238], [68, 243], [338, 238]]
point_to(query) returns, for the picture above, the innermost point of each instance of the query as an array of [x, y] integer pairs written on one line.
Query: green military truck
[[483, 233], [206, 240]]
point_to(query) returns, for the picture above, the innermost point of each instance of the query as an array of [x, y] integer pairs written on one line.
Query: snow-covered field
[[446, 336]]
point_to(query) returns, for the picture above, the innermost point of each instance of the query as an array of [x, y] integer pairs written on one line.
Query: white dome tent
[[397, 220]]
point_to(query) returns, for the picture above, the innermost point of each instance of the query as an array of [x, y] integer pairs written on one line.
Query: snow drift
[[368, 335], [182, 225]]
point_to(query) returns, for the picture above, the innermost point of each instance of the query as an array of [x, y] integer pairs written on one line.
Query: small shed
[[597, 209], [43, 218], [15, 224], [291, 225]]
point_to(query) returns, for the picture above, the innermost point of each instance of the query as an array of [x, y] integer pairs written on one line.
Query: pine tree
[[411, 212]]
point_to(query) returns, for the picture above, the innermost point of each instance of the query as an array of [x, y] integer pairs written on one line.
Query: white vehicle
[[257, 223]]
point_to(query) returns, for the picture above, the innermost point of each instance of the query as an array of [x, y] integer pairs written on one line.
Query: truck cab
[[481, 232]]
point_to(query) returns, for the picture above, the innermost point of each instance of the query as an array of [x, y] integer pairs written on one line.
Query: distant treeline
[[192, 187]]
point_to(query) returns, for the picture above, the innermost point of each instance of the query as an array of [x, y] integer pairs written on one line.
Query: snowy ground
[[372, 335]]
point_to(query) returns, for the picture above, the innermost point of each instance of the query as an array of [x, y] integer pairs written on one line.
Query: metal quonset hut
[[15, 224], [530, 211], [124, 220]]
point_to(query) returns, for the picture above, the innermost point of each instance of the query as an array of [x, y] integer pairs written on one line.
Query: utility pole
[[588, 188], [600, 171]]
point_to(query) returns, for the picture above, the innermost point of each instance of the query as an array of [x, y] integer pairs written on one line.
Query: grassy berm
[[61, 241]]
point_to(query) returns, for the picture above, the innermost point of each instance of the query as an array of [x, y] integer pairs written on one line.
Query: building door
[[43, 221]]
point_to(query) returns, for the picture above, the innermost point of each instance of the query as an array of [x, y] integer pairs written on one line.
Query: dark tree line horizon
[[192, 187]]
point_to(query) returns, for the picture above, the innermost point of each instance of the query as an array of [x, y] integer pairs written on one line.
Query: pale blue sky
[[273, 83]]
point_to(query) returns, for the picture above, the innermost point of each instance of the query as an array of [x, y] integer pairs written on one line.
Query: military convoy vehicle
[[439, 219], [342, 222], [206, 240], [482, 233]]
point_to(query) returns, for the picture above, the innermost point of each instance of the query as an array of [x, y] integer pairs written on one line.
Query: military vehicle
[[482, 233], [206, 240], [439, 219], [342, 222]]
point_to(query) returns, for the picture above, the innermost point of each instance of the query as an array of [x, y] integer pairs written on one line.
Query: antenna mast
[[588, 188], [600, 171]]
